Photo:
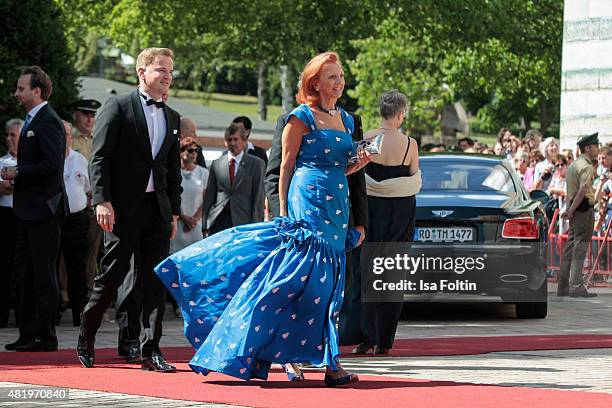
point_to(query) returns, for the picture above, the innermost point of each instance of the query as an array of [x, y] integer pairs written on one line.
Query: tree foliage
[[395, 59], [29, 39], [502, 58]]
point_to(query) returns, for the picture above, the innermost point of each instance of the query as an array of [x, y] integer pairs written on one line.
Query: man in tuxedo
[[350, 314], [136, 184], [234, 194], [39, 202], [247, 125]]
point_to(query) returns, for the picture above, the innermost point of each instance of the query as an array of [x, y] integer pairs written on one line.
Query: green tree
[[258, 34], [502, 58], [33, 34], [394, 59]]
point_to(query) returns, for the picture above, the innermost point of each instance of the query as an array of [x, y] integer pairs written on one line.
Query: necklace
[[330, 112]]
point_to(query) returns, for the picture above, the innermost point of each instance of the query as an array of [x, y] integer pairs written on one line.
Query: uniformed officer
[[84, 115], [581, 196]]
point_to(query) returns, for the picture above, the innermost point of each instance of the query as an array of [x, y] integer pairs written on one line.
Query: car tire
[[531, 310]]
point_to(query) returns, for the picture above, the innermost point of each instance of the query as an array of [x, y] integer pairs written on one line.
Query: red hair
[[306, 91], [187, 142]]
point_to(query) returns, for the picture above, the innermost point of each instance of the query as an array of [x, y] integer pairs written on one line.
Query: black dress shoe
[[13, 345], [131, 353], [157, 363], [381, 351], [38, 345], [86, 352], [362, 348]]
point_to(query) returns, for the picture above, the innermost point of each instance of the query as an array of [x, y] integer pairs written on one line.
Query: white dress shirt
[[156, 125], [76, 181], [6, 200], [237, 159]]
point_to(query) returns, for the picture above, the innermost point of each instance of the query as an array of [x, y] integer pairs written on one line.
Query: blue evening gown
[[271, 292]]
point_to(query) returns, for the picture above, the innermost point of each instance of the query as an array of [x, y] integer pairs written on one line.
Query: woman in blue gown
[[271, 292]]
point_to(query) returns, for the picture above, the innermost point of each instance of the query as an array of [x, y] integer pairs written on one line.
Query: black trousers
[[148, 234], [129, 305], [349, 321], [391, 220], [223, 221], [36, 259], [9, 288], [75, 248]]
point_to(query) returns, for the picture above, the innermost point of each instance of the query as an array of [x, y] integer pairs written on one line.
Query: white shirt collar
[[250, 146], [35, 109], [147, 96], [237, 157]]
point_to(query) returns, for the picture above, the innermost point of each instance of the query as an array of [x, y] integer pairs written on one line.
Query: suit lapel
[[39, 115], [140, 122], [224, 172], [170, 127]]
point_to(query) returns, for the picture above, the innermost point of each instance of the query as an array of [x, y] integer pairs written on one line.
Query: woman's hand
[[363, 158]]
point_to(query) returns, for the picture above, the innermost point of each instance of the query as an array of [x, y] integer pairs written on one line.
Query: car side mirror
[[539, 195]]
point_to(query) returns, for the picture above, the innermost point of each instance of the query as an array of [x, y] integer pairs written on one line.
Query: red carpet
[[371, 391], [449, 346], [111, 374]]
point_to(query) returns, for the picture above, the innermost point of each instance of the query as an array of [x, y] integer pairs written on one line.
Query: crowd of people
[[107, 207]]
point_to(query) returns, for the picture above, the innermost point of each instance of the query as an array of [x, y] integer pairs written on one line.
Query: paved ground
[[580, 370]]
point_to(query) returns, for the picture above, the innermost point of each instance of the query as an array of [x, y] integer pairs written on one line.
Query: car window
[[464, 175]]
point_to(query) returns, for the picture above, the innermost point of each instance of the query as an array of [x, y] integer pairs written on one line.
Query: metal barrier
[[598, 263]]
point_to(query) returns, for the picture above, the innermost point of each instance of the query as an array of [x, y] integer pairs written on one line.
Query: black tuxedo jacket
[[39, 187], [259, 152], [121, 158], [356, 181]]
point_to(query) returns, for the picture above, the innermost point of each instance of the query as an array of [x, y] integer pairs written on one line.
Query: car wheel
[[531, 310]]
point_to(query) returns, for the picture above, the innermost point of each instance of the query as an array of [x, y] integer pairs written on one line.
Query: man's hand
[[8, 173], [105, 215], [361, 230]]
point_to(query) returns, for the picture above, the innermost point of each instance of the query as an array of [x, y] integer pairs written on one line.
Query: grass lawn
[[236, 104]]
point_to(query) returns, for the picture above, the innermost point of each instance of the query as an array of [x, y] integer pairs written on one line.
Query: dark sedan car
[[476, 205]]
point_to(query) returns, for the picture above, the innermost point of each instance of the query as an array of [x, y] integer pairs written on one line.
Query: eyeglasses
[[191, 150], [559, 165]]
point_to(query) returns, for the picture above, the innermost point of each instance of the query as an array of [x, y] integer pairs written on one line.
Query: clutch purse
[[372, 146]]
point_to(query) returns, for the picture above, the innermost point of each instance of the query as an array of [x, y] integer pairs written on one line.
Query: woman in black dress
[[393, 178]]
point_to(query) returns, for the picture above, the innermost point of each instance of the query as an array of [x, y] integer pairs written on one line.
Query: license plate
[[448, 234]]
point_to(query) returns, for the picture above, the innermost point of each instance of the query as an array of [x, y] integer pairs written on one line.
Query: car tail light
[[523, 227]]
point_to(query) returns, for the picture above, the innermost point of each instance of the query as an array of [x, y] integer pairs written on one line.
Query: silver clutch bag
[[372, 146]]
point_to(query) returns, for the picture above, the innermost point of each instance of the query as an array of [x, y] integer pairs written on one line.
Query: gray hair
[[544, 145], [13, 122], [522, 155], [392, 103]]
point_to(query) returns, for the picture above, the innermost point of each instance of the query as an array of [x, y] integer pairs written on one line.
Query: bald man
[[189, 129]]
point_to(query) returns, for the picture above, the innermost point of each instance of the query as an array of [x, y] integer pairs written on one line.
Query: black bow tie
[[159, 104], [150, 102]]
